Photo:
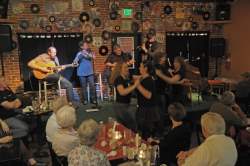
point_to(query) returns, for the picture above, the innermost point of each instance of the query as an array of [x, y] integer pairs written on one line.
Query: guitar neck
[[68, 65]]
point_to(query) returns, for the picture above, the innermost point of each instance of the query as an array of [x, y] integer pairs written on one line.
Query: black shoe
[[85, 102]]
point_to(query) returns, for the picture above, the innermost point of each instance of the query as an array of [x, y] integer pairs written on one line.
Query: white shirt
[[216, 150], [51, 127]]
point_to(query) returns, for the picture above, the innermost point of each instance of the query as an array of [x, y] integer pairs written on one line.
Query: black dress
[[179, 93], [177, 139], [125, 113], [147, 115]]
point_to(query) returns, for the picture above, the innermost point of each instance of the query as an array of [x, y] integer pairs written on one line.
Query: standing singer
[[85, 71]]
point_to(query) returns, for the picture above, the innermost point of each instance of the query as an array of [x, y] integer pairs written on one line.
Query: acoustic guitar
[[51, 66]]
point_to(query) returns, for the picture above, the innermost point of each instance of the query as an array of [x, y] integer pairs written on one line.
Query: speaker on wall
[[4, 8], [223, 12], [217, 47], [5, 38]]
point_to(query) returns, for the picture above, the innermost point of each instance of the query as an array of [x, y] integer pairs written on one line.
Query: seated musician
[[117, 56], [49, 59], [179, 93]]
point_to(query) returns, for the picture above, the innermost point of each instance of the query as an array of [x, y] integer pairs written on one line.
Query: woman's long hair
[[180, 60], [116, 71]]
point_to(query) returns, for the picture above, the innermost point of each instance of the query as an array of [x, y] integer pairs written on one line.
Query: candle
[[137, 140], [114, 126]]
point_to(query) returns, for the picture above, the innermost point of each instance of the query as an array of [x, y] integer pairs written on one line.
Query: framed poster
[[127, 46]]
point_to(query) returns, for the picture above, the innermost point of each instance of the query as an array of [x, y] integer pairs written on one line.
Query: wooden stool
[[45, 90]]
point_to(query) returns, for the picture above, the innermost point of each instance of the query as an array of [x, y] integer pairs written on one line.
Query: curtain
[[33, 44]]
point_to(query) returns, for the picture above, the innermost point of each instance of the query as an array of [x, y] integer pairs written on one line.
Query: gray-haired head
[[88, 132], [212, 124], [66, 116], [228, 98]]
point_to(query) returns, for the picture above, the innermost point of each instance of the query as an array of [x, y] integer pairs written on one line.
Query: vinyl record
[[117, 28], [24, 24], [92, 3], [167, 10], [88, 38], [206, 16], [103, 50], [52, 19], [105, 35], [84, 17], [114, 6], [113, 15], [97, 22], [48, 28], [34, 8]]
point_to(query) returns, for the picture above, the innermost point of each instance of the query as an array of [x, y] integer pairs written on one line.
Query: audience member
[[178, 138], [65, 138], [6, 138], [216, 150], [9, 103], [85, 154], [52, 125], [229, 110]]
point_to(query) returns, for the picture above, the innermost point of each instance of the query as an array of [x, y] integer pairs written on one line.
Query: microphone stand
[[96, 106]]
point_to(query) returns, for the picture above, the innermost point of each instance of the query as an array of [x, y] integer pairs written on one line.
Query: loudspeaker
[[5, 38], [4, 8], [223, 12], [217, 47]]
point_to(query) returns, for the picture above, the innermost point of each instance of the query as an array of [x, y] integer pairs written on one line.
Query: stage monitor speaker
[[217, 47], [223, 12], [5, 38], [4, 8]]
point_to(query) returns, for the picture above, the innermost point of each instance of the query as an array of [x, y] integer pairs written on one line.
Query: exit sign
[[127, 12]]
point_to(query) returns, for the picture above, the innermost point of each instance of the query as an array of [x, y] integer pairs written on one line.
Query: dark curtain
[[193, 46], [33, 44]]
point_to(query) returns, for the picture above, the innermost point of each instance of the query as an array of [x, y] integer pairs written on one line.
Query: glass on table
[[102, 133], [130, 153]]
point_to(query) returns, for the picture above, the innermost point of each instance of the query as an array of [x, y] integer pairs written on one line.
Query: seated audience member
[[216, 150], [178, 138], [242, 89], [229, 110], [242, 92], [6, 138], [65, 138], [52, 125], [85, 154], [125, 113], [8, 104]]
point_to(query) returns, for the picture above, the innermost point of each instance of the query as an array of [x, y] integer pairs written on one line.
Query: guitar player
[[41, 63], [117, 56]]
